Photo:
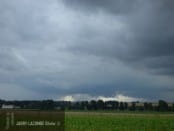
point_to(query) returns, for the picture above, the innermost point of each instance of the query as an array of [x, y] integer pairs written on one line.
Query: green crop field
[[105, 121], [81, 121]]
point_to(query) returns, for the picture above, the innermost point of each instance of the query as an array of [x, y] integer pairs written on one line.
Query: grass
[[106, 121], [76, 121]]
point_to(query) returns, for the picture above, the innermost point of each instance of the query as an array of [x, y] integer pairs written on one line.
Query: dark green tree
[[47, 105], [100, 104], [121, 107], [162, 105], [93, 105]]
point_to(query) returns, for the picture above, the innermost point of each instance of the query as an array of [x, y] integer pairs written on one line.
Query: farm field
[[96, 121], [105, 121]]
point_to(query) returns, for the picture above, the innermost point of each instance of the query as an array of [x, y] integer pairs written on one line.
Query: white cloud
[[83, 97], [67, 98]]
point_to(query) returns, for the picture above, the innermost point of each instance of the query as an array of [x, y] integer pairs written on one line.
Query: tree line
[[161, 105]]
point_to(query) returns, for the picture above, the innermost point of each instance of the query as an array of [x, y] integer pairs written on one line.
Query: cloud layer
[[84, 97], [58, 48]]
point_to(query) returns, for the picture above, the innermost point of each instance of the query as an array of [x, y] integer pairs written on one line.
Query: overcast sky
[[87, 49]]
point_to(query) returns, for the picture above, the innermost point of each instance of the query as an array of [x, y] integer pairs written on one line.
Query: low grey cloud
[[144, 37], [53, 49], [110, 6]]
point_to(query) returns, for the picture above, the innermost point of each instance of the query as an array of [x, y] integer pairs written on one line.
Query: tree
[[148, 106], [100, 104], [125, 105], [132, 108], [121, 107], [84, 105], [162, 105], [1, 102], [93, 105], [47, 105]]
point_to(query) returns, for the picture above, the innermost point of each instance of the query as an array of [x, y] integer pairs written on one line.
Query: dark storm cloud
[[153, 38], [150, 29], [50, 49], [111, 6], [9, 60]]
